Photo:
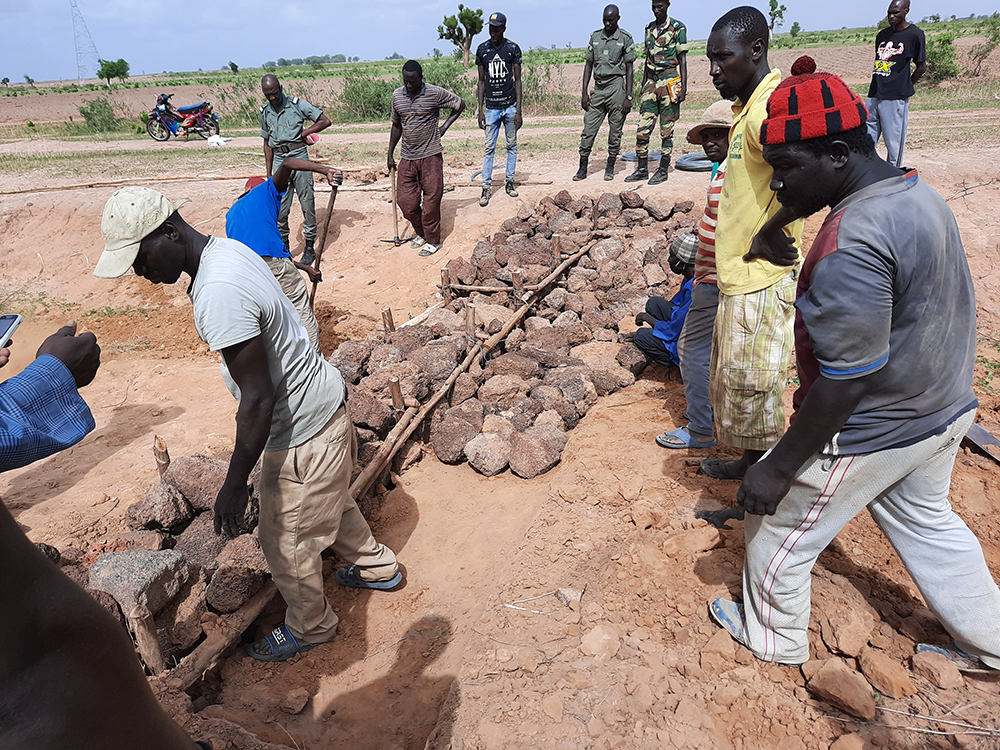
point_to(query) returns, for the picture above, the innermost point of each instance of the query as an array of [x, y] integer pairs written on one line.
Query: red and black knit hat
[[811, 106]]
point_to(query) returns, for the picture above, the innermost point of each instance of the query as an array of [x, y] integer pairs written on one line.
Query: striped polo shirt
[[704, 260], [418, 117]]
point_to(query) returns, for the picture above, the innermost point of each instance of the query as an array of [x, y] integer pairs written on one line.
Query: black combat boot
[[309, 254], [641, 171], [581, 173], [661, 171], [609, 170]]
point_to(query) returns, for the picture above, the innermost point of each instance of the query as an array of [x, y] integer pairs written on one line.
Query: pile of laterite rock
[[171, 565], [511, 409], [514, 408]]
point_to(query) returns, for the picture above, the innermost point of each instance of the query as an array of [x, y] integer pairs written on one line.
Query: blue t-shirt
[[670, 330], [253, 220]]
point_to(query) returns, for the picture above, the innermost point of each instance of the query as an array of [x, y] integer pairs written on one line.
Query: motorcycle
[[165, 121]]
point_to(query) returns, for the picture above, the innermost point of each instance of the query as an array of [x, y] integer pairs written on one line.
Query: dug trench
[[563, 610]]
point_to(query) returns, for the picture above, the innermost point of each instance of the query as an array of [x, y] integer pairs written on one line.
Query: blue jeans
[[493, 119]]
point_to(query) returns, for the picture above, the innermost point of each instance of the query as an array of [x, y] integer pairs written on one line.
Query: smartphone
[[8, 324]]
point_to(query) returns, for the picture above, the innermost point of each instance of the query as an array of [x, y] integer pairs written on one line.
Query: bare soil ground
[[474, 652]]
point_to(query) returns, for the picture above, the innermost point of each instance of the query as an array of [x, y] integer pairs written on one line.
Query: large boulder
[[199, 479], [449, 437], [461, 271], [488, 453], [140, 579], [609, 206], [438, 359], [413, 382], [838, 684], [630, 199], [514, 364], [501, 387], [658, 207], [482, 253], [242, 571], [164, 507], [576, 387], [631, 358], [199, 543], [350, 358], [369, 412], [532, 455], [384, 355], [470, 410], [605, 250]]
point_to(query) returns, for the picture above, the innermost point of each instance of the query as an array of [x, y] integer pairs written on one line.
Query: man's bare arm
[[268, 157], [248, 366], [455, 114]]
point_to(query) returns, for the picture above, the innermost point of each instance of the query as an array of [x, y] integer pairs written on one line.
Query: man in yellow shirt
[[756, 257]]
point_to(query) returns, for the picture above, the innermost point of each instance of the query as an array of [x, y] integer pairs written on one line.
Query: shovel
[[322, 237], [981, 438], [395, 219]]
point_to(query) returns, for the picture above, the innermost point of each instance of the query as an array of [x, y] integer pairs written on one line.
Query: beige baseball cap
[[718, 115], [130, 215]]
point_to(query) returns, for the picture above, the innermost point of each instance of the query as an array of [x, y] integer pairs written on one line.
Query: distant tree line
[[282, 62]]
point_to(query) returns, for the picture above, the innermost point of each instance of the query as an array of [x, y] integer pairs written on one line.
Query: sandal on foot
[[350, 575], [717, 468], [965, 662], [428, 250], [681, 438], [418, 242], [729, 615], [278, 645]]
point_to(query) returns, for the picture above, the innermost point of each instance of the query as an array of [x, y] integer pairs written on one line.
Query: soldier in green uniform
[[282, 121], [664, 87], [610, 55]]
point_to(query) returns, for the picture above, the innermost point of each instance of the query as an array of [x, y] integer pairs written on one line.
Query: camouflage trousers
[[654, 103]]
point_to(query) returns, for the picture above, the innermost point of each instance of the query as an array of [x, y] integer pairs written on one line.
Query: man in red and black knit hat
[[885, 338]]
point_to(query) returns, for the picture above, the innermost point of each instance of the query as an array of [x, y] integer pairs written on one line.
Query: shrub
[[451, 75], [941, 59], [366, 97], [98, 115]]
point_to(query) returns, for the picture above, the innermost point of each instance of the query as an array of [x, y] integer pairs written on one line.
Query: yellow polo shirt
[[747, 200]]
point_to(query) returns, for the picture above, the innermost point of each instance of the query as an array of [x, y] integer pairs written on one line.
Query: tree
[[234, 67], [461, 29], [117, 69], [794, 31], [5, 81], [29, 80], [979, 52], [776, 14]]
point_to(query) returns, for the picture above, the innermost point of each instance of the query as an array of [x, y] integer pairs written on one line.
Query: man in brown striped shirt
[[415, 111]]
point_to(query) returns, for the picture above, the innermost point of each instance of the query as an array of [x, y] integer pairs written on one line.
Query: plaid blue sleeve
[[41, 413]]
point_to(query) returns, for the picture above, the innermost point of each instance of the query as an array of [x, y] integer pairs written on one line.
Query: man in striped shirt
[[416, 108], [694, 346]]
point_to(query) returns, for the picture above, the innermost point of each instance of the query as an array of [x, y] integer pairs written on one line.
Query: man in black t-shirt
[[499, 96], [892, 81]]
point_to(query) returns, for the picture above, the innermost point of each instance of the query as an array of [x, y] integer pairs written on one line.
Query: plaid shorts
[[751, 348]]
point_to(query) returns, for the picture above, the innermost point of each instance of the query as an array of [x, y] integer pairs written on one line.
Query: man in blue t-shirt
[[253, 220], [499, 96]]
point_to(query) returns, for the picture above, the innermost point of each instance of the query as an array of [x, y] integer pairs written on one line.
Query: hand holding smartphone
[[8, 324]]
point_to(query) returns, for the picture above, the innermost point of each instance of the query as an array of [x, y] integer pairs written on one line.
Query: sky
[[157, 37]]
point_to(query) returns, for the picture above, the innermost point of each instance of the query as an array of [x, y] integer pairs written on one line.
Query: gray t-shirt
[[236, 298], [886, 289]]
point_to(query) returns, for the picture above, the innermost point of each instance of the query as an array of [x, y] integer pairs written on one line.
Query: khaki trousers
[[305, 507], [294, 286]]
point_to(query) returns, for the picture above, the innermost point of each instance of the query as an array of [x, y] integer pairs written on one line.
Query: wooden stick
[[480, 289], [557, 246], [518, 279], [470, 319], [387, 322], [380, 461], [445, 278], [322, 241], [424, 315], [140, 622], [219, 638], [397, 393], [161, 455], [479, 184], [395, 217]]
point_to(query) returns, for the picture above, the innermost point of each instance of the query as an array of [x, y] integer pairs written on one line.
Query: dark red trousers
[[416, 178]]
